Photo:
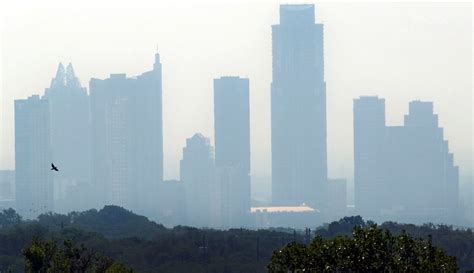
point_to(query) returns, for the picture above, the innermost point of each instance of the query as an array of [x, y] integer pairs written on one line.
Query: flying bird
[[54, 168]]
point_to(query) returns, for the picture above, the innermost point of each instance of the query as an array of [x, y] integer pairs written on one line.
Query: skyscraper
[[337, 199], [70, 133], [369, 133], [232, 139], [418, 169], [172, 203], [298, 109], [33, 178], [197, 174], [403, 173], [128, 139], [7, 185]]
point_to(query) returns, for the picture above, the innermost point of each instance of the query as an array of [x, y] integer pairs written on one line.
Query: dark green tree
[[48, 257], [9, 217]]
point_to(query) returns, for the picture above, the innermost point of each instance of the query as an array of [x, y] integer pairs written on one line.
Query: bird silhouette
[[54, 168]]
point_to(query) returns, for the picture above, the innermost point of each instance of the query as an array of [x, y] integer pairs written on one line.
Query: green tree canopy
[[47, 257], [369, 249]]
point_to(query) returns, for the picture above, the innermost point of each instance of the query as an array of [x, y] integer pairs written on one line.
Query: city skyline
[[123, 117], [339, 159], [236, 136]]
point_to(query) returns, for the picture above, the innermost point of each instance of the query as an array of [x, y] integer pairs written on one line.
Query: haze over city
[[399, 51], [409, 63], [236, 136]]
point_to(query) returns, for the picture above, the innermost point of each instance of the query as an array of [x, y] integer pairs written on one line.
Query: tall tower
[[197, 174], [369, 133], [298, 109], [232, 139], [34, 184], [70, 133], [127, 141]]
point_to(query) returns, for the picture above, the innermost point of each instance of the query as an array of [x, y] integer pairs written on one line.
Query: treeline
[[144, 246], [454, 241], [367, 249], [141, 244]]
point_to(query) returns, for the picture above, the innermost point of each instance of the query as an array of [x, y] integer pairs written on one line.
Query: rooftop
[[280, 209]]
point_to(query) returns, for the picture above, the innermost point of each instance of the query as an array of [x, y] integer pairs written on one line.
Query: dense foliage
[[370, 249], [455, 242], [145, 246], [51, 257], [111, 221]]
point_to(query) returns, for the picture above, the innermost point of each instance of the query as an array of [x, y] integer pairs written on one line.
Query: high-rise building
[[33, 178], [369, 131], [71, 136], [232, 140], [197, 174], [7, 185], [298, 109], [127, 139], [337, 199], [172, 203], [403, 173], [7, 189]]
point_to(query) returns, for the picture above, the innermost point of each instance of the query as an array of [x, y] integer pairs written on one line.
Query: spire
[[60, 78], [70, 71], [71, 79], [157, 64], [60, 71]]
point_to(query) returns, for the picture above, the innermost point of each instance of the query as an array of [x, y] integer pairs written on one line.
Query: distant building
[[232, 139], [466, 196], [7, 185], [298, 109], [71, 136], [299, 217], [171, 203], [410, 169], [197, 174], [337, 199], [33, 178], [369, 133], [127, 139], [234, 197]]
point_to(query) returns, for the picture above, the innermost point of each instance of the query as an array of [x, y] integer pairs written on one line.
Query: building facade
[[171, 203], [404, 173], [33, 157], [127, 139], [369, 131], [197, 174], [71, 136], [298, 109], [232, 140], [337, 199]]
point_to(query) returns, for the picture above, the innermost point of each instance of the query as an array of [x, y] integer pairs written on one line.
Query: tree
[[118, 268], [369, 249], [48, 257], [9, 217]]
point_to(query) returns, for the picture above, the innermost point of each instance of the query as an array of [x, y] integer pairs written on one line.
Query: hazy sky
[[399, 51]]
